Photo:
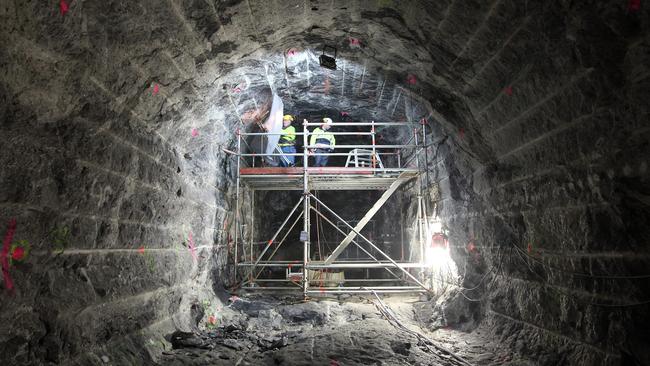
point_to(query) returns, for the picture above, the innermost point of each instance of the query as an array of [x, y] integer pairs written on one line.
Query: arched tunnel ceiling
[[382, 74], [176, 68], [397, 60], [393, 58]]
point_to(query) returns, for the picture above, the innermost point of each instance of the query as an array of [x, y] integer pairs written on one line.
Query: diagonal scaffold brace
[[407, 273]]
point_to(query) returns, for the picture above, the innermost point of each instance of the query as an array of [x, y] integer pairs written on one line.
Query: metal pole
[[305, 215], [403, 124], [401, 226], [425, 209], [237, 203], [252, 224], [426, 154], [419, 218], [374, 150], [369, 242], [365, 146]]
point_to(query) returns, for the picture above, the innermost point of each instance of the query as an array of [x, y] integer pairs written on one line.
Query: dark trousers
[[287, 160], [321, 160]]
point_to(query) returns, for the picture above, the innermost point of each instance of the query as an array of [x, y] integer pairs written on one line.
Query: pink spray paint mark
[[530, 248], [237, 90], [192, 247], [345, 114], [461, 132], [156, 89], [634, 5], [508, 90], [471, 247], [141, 250], [6, 245], [195, 132], [233, 298], [411, 79], [291, 52], [63, 7], [212, 320], [18, 254], [355, 42]]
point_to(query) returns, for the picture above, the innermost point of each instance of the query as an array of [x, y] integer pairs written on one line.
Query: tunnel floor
[[269, 331]]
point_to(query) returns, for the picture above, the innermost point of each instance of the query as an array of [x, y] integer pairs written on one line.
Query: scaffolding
[[327, 277]]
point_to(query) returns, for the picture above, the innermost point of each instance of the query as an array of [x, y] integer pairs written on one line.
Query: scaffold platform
[[321, 179], [368, 171]]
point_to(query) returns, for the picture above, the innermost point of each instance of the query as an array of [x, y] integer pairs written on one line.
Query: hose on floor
[[392, 318]]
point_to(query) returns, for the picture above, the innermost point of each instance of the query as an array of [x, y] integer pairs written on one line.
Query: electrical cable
[[393, 320], [492, 281], [580, 274], [519, 252]]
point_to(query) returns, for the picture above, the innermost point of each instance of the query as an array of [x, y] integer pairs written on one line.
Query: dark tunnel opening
[[517, 235]]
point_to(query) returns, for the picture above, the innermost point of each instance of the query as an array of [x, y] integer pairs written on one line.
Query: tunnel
[[131, 231]]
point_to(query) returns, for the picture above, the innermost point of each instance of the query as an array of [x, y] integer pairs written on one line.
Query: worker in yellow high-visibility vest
[[324, 142], [287, 142]]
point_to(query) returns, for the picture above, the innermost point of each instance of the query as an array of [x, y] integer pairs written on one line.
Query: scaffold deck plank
[[325, 178]]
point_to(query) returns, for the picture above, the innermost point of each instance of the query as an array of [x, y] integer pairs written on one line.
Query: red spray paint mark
[[6, 244], [63, 7], [18, 253], [334, 363], [461, 132], [508, 90], [270, 242], [291, 52], [471, 247], [355, 42], [195, 132], [634, 5], [141, 250], [192, 247], [345, 114], [212, 320], [530, 248], [156, 89], [411, 79]]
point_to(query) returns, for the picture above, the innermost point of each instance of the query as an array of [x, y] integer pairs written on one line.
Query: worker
[[323, 141], [287, 142]]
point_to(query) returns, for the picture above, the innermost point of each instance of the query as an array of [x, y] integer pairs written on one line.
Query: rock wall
[[557, 210], [116, 182]]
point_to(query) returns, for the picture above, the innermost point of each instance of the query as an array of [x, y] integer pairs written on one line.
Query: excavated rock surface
[[272, 332], [115, 115]]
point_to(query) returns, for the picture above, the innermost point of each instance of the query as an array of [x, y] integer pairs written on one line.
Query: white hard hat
[[327, 121]]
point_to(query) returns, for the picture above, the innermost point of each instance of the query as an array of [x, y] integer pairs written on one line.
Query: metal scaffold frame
[[307, 179]]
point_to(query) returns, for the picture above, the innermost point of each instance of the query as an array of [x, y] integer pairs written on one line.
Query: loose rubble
[[268, 331]]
